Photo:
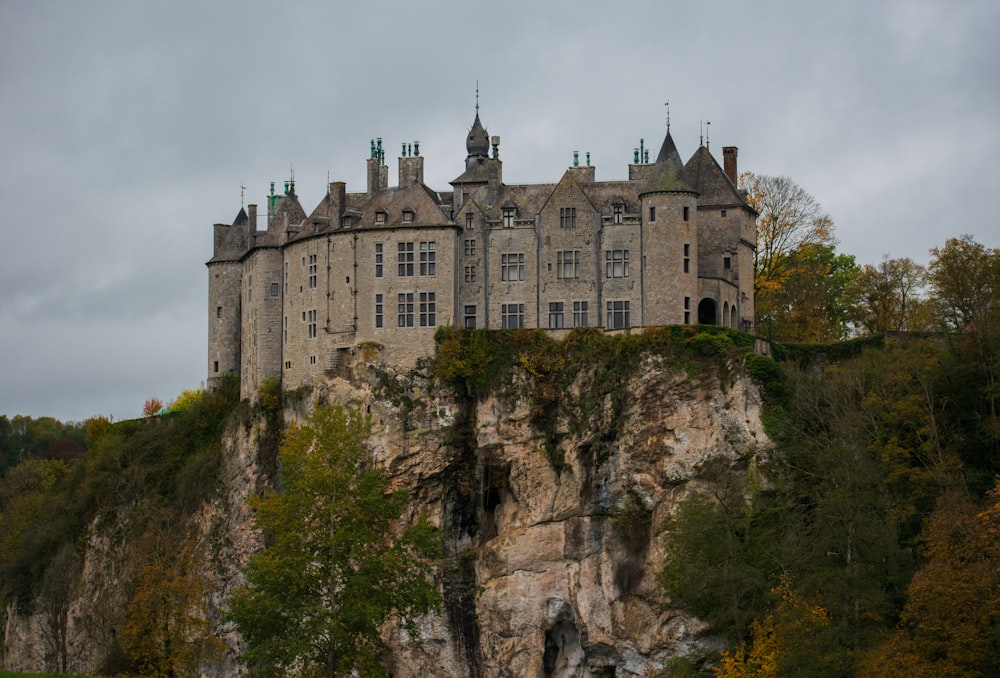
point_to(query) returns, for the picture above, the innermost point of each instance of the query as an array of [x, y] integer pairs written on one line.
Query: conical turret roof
[[668, 174]]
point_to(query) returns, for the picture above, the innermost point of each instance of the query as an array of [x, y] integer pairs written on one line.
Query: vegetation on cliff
[[330, 576]]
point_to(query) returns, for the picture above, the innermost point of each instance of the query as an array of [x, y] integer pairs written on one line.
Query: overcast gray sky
[[127, 128]]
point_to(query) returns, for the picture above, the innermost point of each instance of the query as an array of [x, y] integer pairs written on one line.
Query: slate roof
[[668, 174], [711, 181]]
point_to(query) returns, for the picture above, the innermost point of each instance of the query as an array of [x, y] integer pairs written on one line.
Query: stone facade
[[384, 268]]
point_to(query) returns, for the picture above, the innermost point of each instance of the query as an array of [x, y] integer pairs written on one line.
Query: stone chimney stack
[[411, 170], [729, 163], [338, 193]]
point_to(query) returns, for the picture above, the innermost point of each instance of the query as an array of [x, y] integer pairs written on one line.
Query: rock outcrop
[[551, 520]]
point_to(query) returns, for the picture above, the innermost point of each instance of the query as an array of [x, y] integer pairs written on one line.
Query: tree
[[331, 574], [167, 629], [887, 296], [950, 625], [811, 302], [965, 278], [788, 219]]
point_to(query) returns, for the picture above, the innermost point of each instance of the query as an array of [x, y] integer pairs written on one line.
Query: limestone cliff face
[[551, 521]]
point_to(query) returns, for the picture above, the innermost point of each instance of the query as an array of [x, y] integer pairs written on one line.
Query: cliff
[[551, 494]]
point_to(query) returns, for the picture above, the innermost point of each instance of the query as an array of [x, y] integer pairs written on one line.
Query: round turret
[[478, 142]]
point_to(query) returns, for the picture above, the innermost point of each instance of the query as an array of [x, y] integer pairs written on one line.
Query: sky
[[128, 128]]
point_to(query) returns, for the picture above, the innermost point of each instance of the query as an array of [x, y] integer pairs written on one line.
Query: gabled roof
[[568, 183], [711, 181], [668, 174], [241, 218]]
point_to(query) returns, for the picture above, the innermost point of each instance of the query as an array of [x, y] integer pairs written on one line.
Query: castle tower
[[669, 204], [224, 287]]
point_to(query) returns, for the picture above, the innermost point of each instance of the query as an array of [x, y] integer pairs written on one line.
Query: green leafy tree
[[331, 574], [812, 303]]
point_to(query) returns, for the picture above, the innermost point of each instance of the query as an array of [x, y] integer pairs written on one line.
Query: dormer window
[[380, 217], [508, 216], [345, 222], [407, 216], [617, 212]]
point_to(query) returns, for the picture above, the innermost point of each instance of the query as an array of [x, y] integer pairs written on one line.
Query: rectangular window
[[687, 310], [312, 271], [216, 366], [556, 321], [618, 315], [470, 274], [428, 258], [312, 360], [580, 315], [379, 310], [470, 317], [567, 217], [428, 309], [687, 253], [468, 221], [508, 217], [218, 311], [618, 211], [568, 265], [407, 216], [378, 260], [616, 263], [311, 319], [723, 214], [275, 289], [404, 309], [470, 247], [404, 258], [380, 217], [652, 213], [727, 263], [286, 277], [686, 213], [512, 267], [512, 316]]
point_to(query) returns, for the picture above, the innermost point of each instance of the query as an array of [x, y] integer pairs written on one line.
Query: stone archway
[[707, 312]]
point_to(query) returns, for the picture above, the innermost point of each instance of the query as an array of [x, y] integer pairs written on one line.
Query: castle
[[672, 244]]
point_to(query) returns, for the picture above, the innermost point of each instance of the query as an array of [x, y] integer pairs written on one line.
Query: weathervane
[[667, 104], [477, 97], [243, 191], [708, 123]]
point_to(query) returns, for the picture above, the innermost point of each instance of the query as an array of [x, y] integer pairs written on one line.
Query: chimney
[[411, 170], [338, 190], [252, 217], [729, 163]]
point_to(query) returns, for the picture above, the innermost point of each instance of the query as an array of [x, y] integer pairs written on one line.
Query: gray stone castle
[[381, 270]]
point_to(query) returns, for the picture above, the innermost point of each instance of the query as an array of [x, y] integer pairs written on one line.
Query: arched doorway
[[706, 312]]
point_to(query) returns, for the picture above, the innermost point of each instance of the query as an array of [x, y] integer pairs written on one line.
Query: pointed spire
[[668, 173]]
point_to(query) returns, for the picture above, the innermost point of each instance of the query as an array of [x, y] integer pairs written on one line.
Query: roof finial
[[701, 132], [243, 191], [708, 123], [667, 104], [477, 98]]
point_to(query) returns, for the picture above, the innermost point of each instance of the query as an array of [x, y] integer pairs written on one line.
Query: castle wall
[[512, 288], [569, 251], [670, 259], [261, 306], [224, 313]]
